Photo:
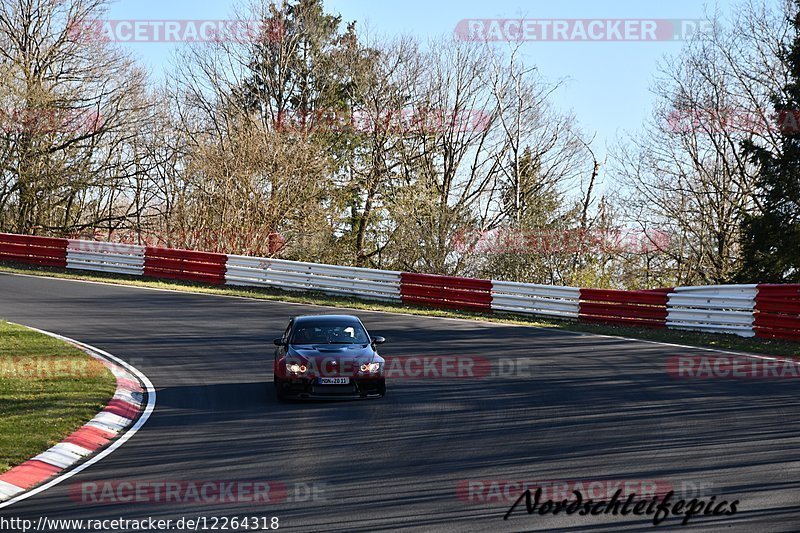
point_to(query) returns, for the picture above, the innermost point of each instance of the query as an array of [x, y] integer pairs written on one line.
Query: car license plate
[[334, 381]]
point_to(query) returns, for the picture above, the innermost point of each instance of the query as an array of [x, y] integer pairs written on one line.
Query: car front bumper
[[309, 389]]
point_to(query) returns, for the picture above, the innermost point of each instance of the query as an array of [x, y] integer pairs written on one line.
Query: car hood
[[362, 353]]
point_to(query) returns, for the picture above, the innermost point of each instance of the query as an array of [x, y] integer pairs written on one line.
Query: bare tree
[[685, 171], [77, 105], [256, 162]]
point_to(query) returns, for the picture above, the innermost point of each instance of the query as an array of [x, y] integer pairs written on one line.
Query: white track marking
[[151, 403]]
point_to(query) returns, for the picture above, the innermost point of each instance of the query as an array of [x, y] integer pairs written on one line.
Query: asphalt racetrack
[[555, 407]]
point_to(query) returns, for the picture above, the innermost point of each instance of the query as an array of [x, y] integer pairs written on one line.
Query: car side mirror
[[278, 341], [378, 340]]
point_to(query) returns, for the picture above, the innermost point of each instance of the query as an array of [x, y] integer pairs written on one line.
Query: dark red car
[[328, 357]]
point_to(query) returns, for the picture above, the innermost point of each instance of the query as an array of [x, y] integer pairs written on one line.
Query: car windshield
[[326, 332]]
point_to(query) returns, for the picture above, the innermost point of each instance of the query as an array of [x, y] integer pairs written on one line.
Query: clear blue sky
[[608, 83]]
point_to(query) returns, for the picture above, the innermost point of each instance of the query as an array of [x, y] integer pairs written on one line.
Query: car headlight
[[371, 367], [295, 368]]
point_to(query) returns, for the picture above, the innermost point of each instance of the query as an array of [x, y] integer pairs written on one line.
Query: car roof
[[325, 318]]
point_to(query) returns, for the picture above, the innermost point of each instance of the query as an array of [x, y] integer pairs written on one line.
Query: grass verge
[[48, 389], [691, 338]]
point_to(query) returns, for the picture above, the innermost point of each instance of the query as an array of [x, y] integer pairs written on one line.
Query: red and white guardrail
[[769, 311]]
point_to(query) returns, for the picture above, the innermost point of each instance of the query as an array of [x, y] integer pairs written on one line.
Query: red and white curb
[[116, 421]]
